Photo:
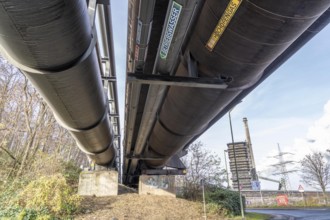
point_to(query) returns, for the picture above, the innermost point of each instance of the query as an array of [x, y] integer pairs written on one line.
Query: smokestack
[[248, 140]]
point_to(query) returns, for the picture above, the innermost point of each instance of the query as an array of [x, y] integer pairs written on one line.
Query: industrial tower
[[245, 163]]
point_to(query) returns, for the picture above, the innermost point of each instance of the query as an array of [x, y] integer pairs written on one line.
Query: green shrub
[[44, 191], [212, 208], [6, 196], [10, 213], [227, 200], [217, 209], [27, 214], [9, 193], [50, 194], [71, 173]]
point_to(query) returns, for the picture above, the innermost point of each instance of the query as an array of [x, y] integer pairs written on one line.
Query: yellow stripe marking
[[223, 23]]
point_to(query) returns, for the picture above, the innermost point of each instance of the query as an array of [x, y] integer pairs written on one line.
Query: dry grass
[[134, 206]]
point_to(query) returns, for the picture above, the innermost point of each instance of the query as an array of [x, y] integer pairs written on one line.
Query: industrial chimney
[[249, 146]]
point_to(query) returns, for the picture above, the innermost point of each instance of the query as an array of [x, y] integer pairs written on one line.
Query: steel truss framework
[[100, 16]]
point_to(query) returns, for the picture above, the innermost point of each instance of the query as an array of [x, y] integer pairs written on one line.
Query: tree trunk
[[9, 154], [325, 196], [31, 138]]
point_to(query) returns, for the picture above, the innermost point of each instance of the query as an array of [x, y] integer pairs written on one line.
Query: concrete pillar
[[98, 183], [163, 185]]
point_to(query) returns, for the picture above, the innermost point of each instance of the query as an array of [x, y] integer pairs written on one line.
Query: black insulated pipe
[[52, 42], [258, 33]]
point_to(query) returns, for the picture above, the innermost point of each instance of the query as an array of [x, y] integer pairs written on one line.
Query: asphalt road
[[295, 214]]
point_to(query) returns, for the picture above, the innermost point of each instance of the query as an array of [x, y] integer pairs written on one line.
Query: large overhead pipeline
[[259, 32], [52, 42]]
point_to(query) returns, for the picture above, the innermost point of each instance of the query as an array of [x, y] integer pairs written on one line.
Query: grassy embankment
[[253, 216]]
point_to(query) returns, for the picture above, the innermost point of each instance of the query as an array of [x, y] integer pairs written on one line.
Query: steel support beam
[[141, 157], [109, 78], [164, 172], [208, 83]]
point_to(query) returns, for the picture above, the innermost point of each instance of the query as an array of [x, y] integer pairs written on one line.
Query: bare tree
[[8, 81], [27, 126], [201, 165], [315, 171]]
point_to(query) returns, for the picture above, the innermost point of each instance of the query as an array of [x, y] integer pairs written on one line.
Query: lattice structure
[[100, 16], [283, 171]]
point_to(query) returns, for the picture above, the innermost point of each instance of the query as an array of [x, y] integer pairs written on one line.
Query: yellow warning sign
[[223, 23]]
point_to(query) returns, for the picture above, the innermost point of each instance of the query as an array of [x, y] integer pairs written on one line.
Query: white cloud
[[317, 138]]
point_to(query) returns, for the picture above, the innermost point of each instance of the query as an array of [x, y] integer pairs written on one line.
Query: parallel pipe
[[52, 42], [258, 33]]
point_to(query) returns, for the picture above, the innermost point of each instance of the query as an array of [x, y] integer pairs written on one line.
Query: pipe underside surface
[[52, 42], [259, 32]]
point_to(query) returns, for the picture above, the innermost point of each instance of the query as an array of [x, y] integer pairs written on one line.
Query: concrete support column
[[163, 185], [98, 183]]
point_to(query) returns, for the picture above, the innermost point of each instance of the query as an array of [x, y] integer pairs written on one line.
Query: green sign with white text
[[170, 29]]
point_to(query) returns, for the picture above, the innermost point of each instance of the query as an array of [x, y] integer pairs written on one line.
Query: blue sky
[[288, 108]]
